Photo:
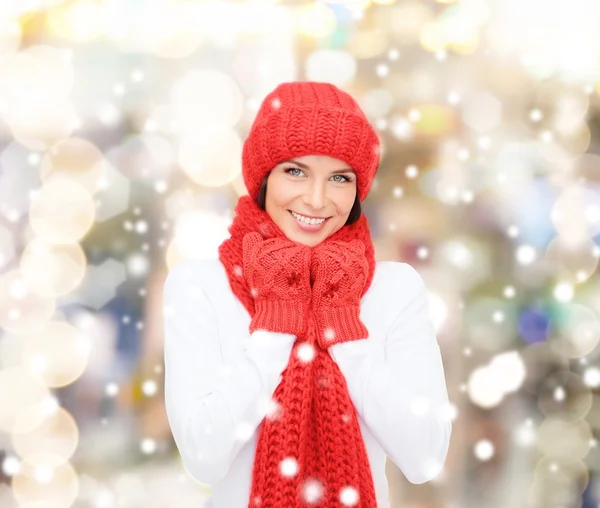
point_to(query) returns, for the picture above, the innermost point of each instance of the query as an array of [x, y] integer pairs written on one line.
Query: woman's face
[[312, 186]]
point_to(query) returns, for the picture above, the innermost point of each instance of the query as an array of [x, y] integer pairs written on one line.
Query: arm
[[213, 407], [401, 393]]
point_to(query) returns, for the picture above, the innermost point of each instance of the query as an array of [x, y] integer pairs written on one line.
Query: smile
[[307, 224]]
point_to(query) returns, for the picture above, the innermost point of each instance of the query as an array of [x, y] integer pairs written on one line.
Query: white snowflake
[[274, 410], [289, 467], [148, 446], [349, 496], [149, 387], [329, 334], [312, 491], [238, 270], [305, 352], [268, 407]]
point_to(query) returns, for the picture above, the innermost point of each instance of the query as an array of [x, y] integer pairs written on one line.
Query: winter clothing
[[310, 448], [219, 379], [314, 444], [309, 118], [313, 447]]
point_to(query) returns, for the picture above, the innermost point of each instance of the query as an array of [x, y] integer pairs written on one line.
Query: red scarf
[[319, 425]]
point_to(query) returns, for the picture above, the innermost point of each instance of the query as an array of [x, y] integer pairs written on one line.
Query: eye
[[290, 169], [346, 179]]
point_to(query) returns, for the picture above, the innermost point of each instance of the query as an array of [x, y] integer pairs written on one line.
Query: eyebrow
[[336, 172]]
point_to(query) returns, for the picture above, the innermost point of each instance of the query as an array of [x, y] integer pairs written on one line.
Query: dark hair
[[355, 212]]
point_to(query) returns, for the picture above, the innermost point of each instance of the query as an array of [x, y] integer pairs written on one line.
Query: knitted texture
[[309, 118], [278, 273], [310, 452], [339, 270]]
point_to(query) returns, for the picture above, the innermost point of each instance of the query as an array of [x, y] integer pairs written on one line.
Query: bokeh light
[[122, 126]]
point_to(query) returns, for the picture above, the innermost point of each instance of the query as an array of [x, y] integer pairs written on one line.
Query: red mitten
[[339, 270], [278, 273]]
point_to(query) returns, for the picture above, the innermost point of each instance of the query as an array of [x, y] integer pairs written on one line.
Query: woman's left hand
[[339, 272]]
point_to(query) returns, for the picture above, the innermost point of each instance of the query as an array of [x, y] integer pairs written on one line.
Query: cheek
[[278, 193], [347, 203]]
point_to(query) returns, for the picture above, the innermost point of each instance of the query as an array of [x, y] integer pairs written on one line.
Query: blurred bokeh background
[[121, 125]]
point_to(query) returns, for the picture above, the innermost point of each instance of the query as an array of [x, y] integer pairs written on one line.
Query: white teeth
[[307, 220]]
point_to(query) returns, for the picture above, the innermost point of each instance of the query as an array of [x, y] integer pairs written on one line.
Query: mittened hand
[[339, 271], [277, 271]]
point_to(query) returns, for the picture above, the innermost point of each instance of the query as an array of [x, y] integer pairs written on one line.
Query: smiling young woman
[[293, 360]]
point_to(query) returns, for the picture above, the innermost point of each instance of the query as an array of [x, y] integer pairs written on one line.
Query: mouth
[[306, 226]]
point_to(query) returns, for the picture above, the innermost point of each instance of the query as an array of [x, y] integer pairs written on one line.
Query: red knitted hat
[[309, 118]]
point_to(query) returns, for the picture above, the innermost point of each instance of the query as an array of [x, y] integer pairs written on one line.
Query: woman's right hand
[[277, 271]]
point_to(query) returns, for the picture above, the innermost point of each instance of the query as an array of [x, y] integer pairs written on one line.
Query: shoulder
[[397, 274], [191, 275], [397, 286]]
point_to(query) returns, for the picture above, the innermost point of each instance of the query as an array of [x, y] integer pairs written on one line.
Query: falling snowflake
[[148, 446], [345, 418], [329, 334], [484, 450], [254, 292], [349, 496], [289, 467], [149, 387], [312, 491], [269, 408], [11, 465], [111, 389], [274, 410], [305, 352], [237, 270]]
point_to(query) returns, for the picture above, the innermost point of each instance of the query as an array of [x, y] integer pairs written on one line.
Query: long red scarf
[[311, 451]]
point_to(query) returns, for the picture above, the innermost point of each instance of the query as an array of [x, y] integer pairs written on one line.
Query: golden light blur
[[58, 354], [57, 435], [78, 159], [577, 332], [21, 393], [314, 20], [42, 480], [21, 309], [123, 126], [560, 439], [52, 270], [211, 159], [204, 100], [62, 211], [577, 259]]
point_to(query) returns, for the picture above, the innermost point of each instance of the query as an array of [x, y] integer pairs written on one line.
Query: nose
[[315, 196]]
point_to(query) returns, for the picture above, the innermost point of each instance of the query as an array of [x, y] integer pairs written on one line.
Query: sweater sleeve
[[213, 407], [400, 390]]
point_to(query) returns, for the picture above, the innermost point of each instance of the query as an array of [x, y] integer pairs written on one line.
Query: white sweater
[[219, 378]]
